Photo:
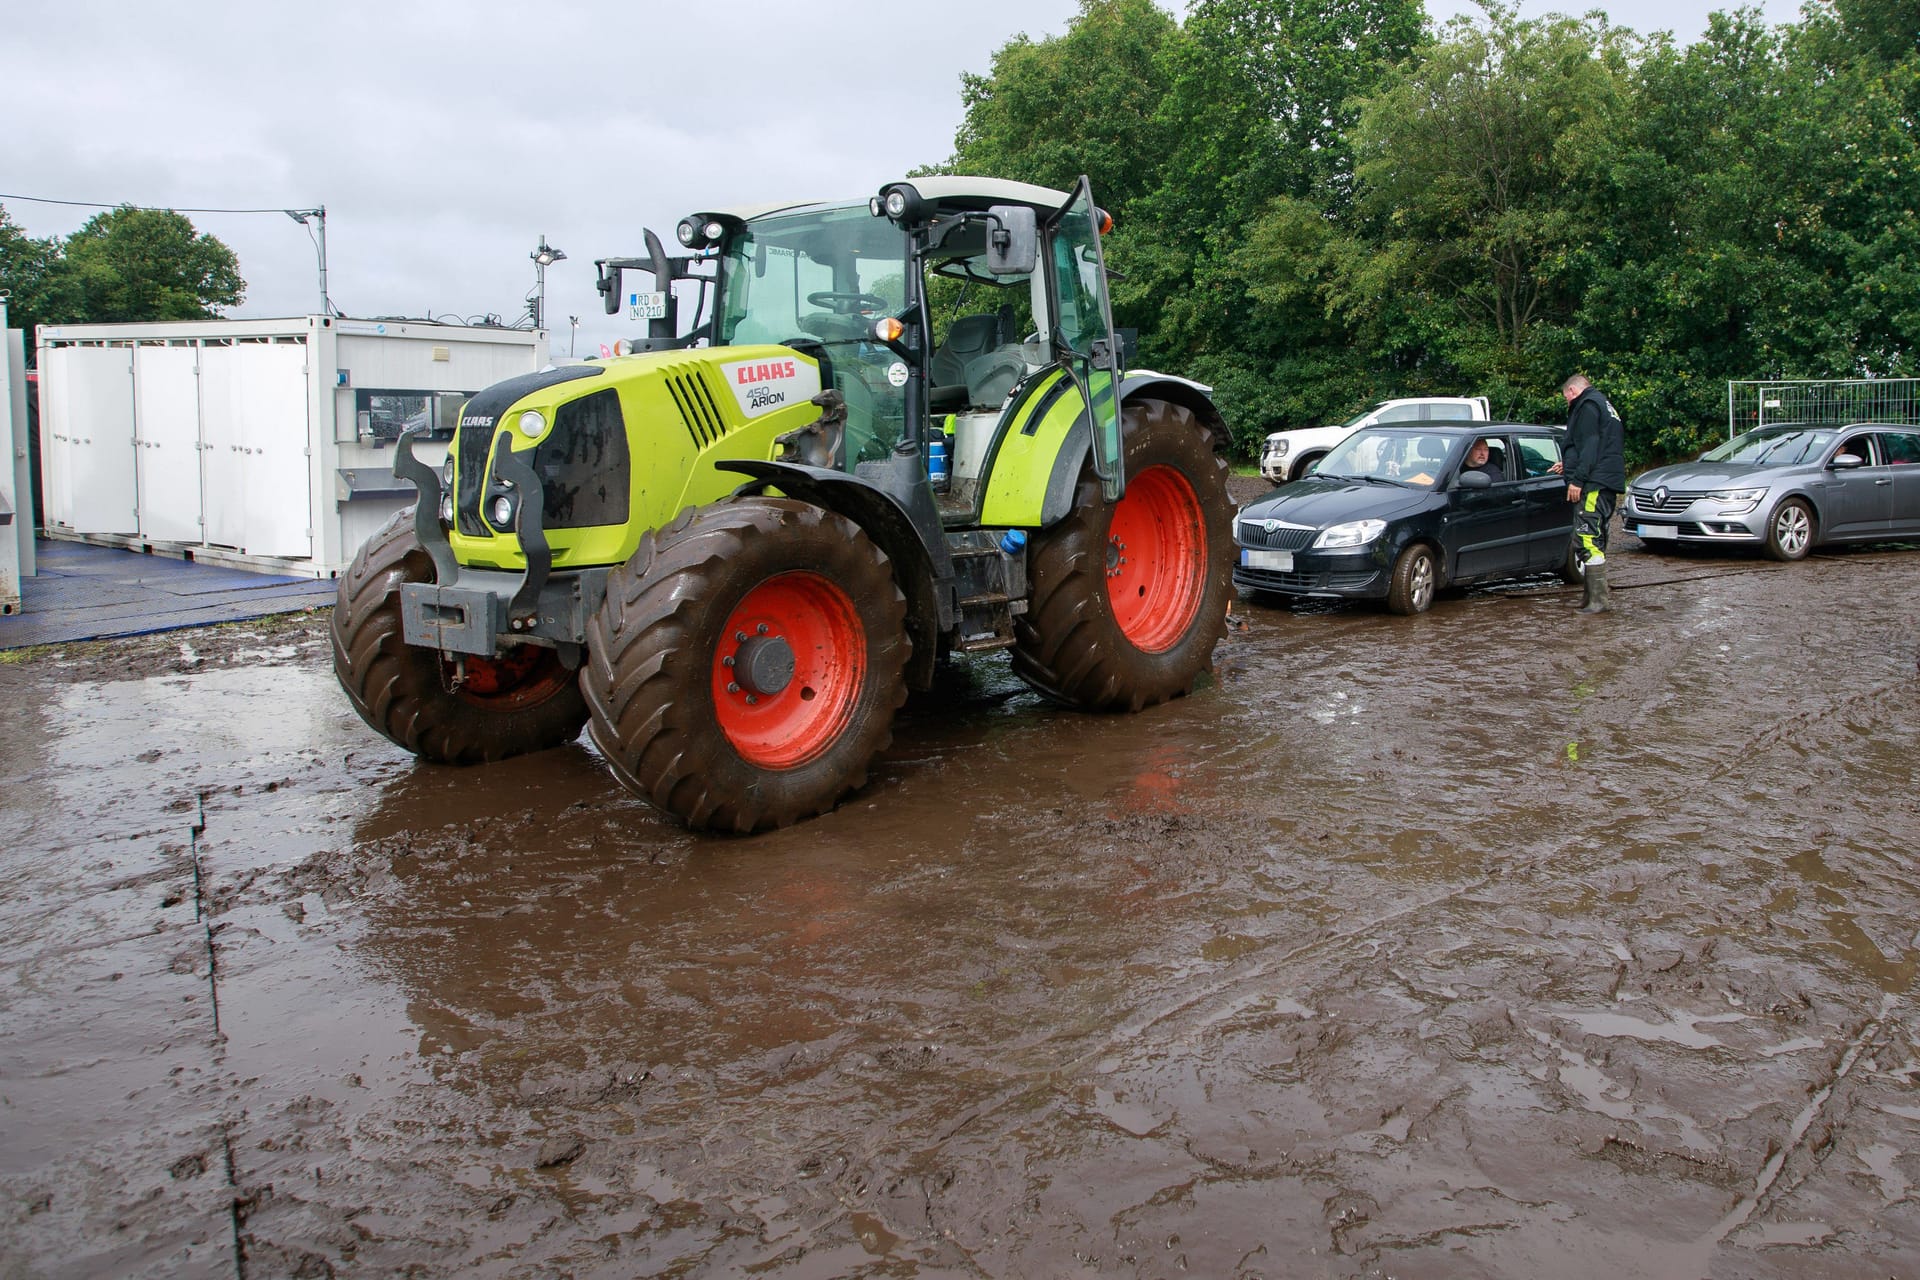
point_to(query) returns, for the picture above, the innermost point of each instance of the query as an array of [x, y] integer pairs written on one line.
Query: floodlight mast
[[319, 216], [543, 257]]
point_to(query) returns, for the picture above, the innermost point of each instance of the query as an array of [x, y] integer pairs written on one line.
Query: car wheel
[[1415, 576], [1570, 566], [1305, 465], [1790, 530]]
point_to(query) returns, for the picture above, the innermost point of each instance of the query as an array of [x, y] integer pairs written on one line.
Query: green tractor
[[891, 429]]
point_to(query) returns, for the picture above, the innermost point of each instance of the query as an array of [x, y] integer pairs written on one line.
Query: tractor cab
[[925, 310]]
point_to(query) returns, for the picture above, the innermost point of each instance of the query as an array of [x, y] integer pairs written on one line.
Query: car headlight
[[1742, 499], [1354, 533], [1276, 448]]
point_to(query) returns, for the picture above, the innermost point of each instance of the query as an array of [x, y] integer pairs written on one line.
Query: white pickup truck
[[1287, 454]]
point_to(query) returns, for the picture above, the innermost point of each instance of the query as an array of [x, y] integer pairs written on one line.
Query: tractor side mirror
[[609, 287], [1013, 240]]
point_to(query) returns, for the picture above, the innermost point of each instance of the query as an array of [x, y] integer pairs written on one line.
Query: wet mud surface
[[1496, 942]]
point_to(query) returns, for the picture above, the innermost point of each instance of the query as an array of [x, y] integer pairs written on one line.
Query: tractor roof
[[940, 189]]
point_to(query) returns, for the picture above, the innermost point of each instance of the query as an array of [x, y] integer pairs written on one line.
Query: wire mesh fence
[[1833, 402]]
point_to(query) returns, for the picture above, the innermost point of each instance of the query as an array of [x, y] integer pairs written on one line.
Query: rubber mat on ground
[[83, 592]]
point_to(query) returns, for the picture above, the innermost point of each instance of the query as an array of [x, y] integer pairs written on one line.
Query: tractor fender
[[1144, 385], [912, 539]]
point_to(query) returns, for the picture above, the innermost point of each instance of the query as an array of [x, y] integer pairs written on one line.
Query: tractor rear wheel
[[745, 667], [444, 710], [1128, 599]]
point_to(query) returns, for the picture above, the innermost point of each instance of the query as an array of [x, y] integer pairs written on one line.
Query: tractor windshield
[[826, 276]]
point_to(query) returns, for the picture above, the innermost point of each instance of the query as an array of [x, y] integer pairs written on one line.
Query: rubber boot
[[1599, 594]]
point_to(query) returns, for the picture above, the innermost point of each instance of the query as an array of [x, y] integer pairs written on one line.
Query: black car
[[1397, 512]]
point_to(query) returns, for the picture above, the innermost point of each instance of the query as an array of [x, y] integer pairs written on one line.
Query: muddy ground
[[1494, 942]]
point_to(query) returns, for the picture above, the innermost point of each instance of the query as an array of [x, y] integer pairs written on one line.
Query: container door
[[91, 427], [254, 422], [276, 461], [224, 504], [167, 442], [1083, 328]]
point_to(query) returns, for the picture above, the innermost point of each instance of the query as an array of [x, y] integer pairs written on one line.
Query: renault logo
[[1660, 496]]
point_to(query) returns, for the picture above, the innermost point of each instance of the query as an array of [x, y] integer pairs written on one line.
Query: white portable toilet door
[[167, 442], [91, 426]]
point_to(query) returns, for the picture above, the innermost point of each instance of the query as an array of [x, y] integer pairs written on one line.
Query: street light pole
[[319, 216], [543, 257], [573, 339]]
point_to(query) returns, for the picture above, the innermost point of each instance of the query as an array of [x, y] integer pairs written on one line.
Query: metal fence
[[1834, 402]]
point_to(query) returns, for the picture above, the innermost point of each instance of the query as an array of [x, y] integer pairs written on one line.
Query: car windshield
[[1405, 456], [1772, 447]]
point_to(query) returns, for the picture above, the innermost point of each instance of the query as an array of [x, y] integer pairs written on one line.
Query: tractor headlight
[[446, 507], [1354, 533], [501, 511], [532, 424], [446, 474]]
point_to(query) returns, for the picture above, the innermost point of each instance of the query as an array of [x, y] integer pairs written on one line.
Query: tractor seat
[[969, 338]]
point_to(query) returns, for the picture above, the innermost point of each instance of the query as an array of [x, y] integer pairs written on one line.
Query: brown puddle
[[1494, 942]]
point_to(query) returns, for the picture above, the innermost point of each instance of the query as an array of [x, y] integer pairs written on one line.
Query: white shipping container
[[265, 444]]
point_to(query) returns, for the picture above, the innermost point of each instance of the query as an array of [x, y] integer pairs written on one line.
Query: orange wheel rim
[[526, 675], [788, 670], [1156, 559]]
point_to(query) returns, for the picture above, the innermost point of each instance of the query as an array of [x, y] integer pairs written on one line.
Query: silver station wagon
[[1787, 488]]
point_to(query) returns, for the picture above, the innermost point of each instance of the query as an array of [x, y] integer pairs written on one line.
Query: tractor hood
[[619, 447]]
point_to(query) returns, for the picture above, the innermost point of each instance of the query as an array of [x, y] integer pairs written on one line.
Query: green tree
[[25, 264], [143, 264], [1469, 165], [1085, 102]]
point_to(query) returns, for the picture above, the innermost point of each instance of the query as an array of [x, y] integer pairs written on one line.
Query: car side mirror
[[1475, 480], [1847, 461], [1013, 240]]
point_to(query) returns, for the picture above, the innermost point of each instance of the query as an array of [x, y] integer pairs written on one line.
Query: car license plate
[[1281, 560], [1656, 531]]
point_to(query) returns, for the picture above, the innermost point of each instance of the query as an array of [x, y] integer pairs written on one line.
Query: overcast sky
[[445, 138]]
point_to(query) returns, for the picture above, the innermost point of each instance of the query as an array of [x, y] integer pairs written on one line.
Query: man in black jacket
[[1596, 471]]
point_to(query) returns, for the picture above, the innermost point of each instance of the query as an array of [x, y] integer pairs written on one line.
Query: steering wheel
[[847, 304]]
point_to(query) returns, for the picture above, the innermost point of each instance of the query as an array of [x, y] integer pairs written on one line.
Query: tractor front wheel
[[745, 667], [451, 711], [1128, 599]]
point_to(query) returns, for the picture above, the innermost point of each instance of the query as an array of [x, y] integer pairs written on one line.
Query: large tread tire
[[662, 710], [406, 692], [1070, 645]]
